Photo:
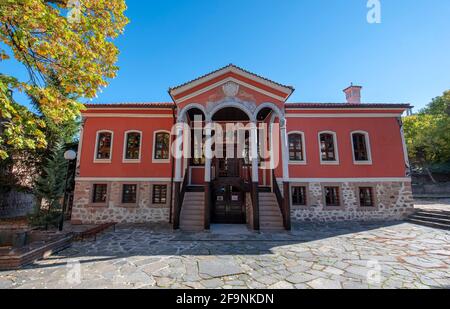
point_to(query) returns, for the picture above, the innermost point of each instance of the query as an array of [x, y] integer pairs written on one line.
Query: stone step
[[272, 227], [192, 216], [431, 219], [429, 224], [268, 204], [433, 214], [189, 222], [193, 205], [192, 228], [194, 200]]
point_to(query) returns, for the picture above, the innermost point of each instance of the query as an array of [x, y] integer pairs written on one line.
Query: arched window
[[132, 151], [328, 147], [103, 148], [361, 147], [161, 145], [296, 147]]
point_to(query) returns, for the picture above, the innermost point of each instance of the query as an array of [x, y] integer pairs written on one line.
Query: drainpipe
[[173, 169]]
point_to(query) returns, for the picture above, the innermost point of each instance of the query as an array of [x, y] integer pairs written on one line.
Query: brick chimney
[[353, 94]]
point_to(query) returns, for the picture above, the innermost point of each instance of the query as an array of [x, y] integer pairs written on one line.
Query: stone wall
[[393, 201], [15, 204], [85, 212]]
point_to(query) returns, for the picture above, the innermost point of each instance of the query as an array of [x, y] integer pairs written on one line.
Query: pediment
[[229, 80]]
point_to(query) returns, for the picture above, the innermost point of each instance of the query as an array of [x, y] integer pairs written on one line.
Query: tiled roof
[[230, 66], [287, 105], [347, 105], [132, 105]]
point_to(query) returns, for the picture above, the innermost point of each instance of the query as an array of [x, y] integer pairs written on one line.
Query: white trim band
[[122, 179], [381, 179], [113, 115], [337, 115]]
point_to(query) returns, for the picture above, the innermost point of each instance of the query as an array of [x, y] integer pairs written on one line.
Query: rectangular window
[[332, 196], [328, 151], [360, 147], [99, 193], [133, 146], [129, 194], [159, 194], [296, 147], [299, 196], [104, 141], [366, 197], [162, 142]]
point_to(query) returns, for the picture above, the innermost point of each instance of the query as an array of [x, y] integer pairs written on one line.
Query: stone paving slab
[[312, 256]]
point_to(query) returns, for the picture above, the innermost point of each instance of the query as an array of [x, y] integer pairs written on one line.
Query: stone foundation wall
[[393, 201], [85, 212]]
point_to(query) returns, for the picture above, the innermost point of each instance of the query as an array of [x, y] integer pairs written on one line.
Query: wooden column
[[178, 177], [208, 177], [255, 202], [177, 206], [287, 206], [255, 175]]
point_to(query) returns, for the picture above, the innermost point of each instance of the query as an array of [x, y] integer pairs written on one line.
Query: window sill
[[102, 161], [298, 163], [161, 161], [131, 161], [99, 205], [329, 163], [333, 208], [367, 208], [128, 206], [362, 163]]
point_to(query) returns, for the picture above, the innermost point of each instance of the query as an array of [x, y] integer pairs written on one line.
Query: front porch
[[238, 187]]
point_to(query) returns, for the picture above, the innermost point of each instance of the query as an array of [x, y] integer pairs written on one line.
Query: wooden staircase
[[192, 213], [269, 212]]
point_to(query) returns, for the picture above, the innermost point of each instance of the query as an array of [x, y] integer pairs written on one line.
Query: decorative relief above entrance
[[230, 89]]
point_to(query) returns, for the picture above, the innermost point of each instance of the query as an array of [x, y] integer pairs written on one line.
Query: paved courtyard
[[345, 255]]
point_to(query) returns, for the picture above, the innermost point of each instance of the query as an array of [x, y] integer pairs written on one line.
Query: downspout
[[173, 170]]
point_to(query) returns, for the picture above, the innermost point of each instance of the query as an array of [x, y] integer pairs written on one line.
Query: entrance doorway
[[229, 205]]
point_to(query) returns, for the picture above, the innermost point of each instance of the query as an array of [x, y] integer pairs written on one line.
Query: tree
[[50, 186], [428, 135], [75, 49]]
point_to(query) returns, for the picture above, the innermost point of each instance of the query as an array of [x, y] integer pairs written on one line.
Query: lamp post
[[69, 155]]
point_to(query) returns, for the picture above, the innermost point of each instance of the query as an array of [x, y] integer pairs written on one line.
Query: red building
[[141, 163]]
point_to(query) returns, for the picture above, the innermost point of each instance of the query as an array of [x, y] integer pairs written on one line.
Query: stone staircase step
[[433, 214], [428, 224], [270, 215], [431, 219], [192, 212]]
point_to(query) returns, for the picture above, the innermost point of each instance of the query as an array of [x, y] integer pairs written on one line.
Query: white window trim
[[336, 149], [305, 160], [369, 149], [124, 160], [96, 147], [154, 160]]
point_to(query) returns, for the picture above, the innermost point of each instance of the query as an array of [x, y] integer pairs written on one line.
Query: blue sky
[[317, 46]]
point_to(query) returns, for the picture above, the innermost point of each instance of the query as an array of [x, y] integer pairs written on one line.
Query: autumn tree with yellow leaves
[[67, 49]]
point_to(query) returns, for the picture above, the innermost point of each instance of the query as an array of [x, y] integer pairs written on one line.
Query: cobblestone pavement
[[344, 255]]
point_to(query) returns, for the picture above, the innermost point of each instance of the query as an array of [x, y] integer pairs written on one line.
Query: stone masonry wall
[[85, 212], [393, 201]]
